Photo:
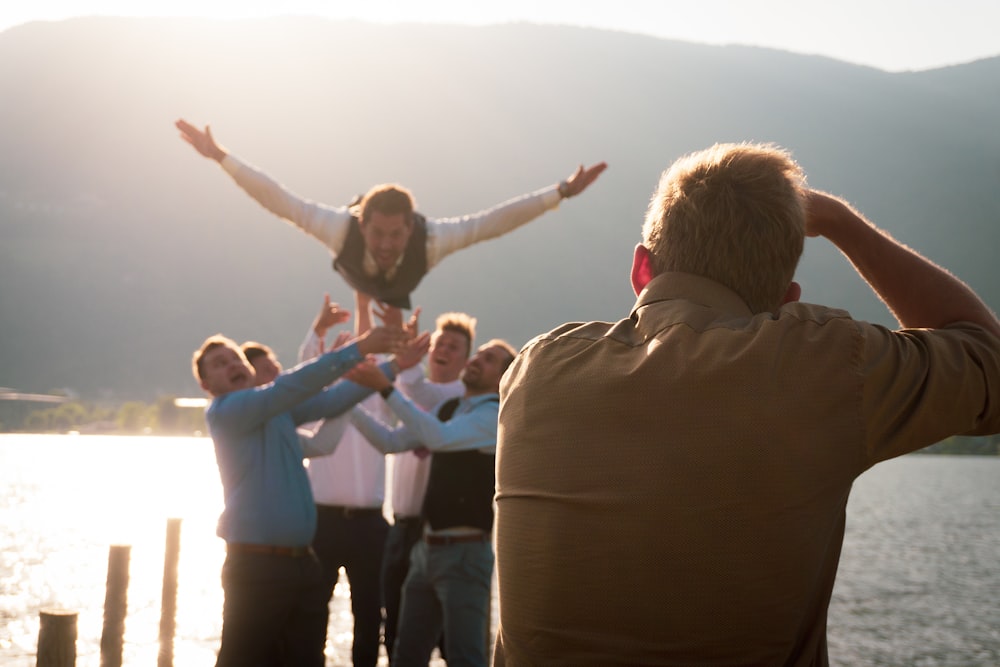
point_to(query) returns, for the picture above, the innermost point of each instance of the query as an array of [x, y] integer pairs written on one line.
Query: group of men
[[670, 489], [431, 570]]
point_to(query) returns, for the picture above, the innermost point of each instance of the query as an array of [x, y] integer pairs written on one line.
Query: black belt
[[445, 540], [349, 512], [268, 550]]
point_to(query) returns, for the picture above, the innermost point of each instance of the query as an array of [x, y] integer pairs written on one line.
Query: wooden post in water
[[115, 606], [56, 638], [168, 605]]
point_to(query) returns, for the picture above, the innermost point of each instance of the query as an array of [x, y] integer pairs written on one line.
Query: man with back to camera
[[274, 612], [704, 448], [381, 246]]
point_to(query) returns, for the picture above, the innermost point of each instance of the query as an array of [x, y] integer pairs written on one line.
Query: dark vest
[[461, 485], [349, 263]]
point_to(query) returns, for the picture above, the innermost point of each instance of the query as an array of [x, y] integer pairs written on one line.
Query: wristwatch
[[563, 189]]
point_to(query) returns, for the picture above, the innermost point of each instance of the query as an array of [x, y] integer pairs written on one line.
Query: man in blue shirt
[[275, 610]]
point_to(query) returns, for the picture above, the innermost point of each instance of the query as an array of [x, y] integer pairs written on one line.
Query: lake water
[[918, 582]]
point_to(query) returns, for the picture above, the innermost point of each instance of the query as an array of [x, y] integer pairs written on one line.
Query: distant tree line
[[163, 417]]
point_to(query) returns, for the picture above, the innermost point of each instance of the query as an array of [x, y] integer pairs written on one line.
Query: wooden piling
[[168, 605], [56, 638], [115, 606]]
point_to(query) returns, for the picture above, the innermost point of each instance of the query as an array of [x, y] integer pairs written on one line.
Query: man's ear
[[793, 293], [642, 270]]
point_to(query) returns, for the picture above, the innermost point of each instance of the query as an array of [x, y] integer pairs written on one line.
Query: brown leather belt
[[444, 540], [268, 550]]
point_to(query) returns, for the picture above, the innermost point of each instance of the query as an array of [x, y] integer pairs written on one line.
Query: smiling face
[[447, 356], [386, 237], [483, 371], [224, 369]]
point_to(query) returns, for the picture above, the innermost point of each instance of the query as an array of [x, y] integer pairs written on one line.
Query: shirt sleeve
[[311, 347], [327, 224], [446, 235], [923, 385], [475, 429], [415, 386], [325, 439], [336, 399], [303, 385]]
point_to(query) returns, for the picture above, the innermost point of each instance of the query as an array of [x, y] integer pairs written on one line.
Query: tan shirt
[[671, 488]]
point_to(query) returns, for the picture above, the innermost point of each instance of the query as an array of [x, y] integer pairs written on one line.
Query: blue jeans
[[355, 540], [275, 611], [395, 566], [447, 588]]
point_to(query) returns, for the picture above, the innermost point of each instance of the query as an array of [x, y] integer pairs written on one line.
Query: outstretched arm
[[919, 293], [451, 234], [328, 224]]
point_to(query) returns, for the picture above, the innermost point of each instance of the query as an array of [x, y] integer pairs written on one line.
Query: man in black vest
[[380, 245], [451, 568]]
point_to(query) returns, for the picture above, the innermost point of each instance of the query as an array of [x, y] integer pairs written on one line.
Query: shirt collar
[[695, 289]]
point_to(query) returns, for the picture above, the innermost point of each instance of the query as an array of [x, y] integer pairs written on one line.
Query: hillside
[[121, 249]]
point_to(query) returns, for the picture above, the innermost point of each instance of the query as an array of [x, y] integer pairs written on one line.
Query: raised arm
[[330, 315], [919, 293], [327, 224], [451, 234]]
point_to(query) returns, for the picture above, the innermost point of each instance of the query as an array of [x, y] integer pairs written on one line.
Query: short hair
[[460, 323], [387, 199], [734, 213], [212, 342], [254, 350], [507, 347]]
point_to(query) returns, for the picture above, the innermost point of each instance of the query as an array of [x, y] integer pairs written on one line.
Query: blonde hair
[[734, 213], [212, 342], [460, 323]]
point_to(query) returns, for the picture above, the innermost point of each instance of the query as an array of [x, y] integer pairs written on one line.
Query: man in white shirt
[[349, 489], [381, 246]]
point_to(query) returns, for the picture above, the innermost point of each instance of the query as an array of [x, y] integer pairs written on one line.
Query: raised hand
[[390, 316], [411, 353], [330, 315], [368, 374], [202, 140], [581, 179], [382, 339]]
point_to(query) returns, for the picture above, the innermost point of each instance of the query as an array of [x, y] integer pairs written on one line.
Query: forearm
[[380, 436], [338, 399], [919, 293], [325, 439], [327, 224], [451, 234]]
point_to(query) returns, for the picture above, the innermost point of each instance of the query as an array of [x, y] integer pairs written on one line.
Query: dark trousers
[[275, 611], [355, 540], [395, 564]]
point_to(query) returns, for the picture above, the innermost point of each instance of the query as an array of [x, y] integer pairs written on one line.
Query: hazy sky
[[893, 35]]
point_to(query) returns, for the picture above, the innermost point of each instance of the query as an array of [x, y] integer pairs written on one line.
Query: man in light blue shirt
[[451, 567], [275, 611]]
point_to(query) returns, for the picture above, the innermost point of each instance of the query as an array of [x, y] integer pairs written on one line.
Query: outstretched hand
[[368, 374], [202, 140], [411, 353], [330, 315], [581, 179], [390, 316], [382, 339]]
